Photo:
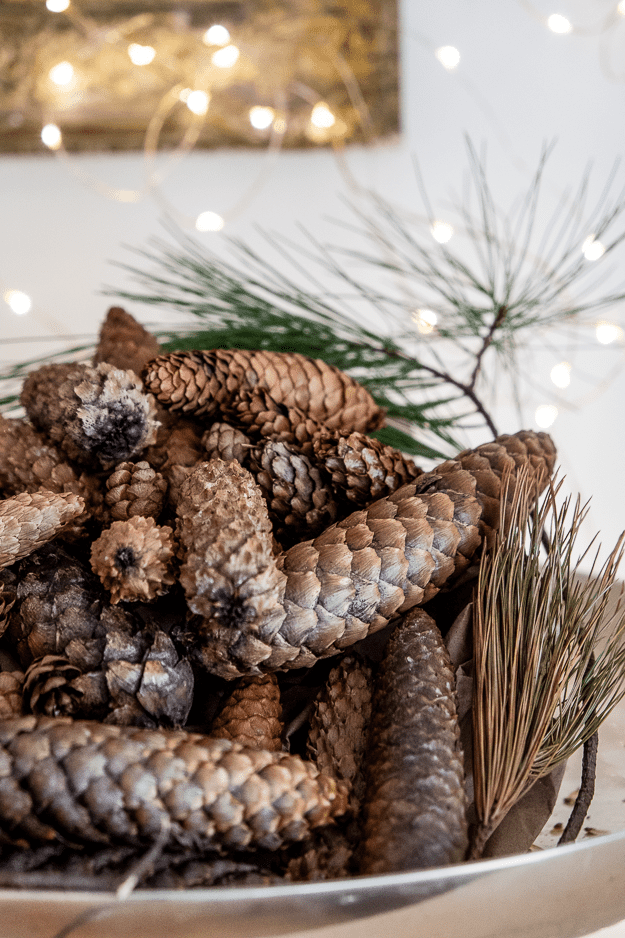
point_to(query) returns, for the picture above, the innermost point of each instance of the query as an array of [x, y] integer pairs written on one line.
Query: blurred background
[[121, 122]]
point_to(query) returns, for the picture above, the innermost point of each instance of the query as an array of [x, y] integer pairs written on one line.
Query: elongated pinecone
[[124, 343], [97, 415], [339, 725], [206, 383], [94, 783], [27, 521], [415, 803], [133, 559], [135, 489], [252, 714]]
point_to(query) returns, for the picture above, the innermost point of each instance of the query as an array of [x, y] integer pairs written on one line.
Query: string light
[[209, 221], [141, 55], [545, 415], [261, 117], [425, 319], [197, 101], [608, 332], [51, 136], [226, 57], [442, 231], [322, 116], [592, 249], [621, 8], [561, 374], [559, 24], [57, 6], [448, 56], [62, 73], [19, 302], [216, 35]]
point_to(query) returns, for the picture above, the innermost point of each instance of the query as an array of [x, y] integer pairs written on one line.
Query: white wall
[[517, 86]]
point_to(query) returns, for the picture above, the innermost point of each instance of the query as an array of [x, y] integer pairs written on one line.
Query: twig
[[497, 321], [586, 791]]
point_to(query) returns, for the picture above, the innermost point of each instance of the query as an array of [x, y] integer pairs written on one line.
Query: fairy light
[[442, 231], [197, 102], [448, 56], [261, 117], [216, 35], [608, 332], [559, 24], [19, 302], [621, 8], [51, 136], [425, 320], [322, 117], [209, 221], [226, 57], [592, 249], [57, 6], [545, 415], [561, 374], [61, 73], [141, 55]]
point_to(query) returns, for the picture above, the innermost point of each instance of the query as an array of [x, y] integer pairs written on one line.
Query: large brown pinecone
[[93, 783], [207, 383], [124, 343], [27, 521], [98, 415], [415, 803]]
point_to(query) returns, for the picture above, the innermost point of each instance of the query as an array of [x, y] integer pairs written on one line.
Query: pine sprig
[[549, 660]]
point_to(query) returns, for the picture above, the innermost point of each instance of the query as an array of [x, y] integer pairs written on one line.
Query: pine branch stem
[[497, 321], [585, 794]]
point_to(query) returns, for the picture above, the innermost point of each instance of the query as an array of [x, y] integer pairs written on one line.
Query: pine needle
[[549, 660]]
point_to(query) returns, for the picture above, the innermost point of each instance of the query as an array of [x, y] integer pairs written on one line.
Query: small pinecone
[[48, 686], [11, 683], [133, 559], [27, 521], [415, 802], [252, 715], [260, 417], [135, 489], [96, 783], [364, 469], [300, 500], [124, 343], [339, 725], [97, 415], [206, 383], [226, 442], [177, 451], [7, 601]]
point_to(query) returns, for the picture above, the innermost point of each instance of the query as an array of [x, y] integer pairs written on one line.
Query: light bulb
[[561, 374], [57, 6], [591, 249], [197, 102], [61, 73], [608, 332], [441, 231], [141, 55], [425, 319], [448, 56], [51, 136], [621, 8], [209, 221], [545, 415], [226, 57], [559, 24], [216, 36], [261, 117], [19, 302]]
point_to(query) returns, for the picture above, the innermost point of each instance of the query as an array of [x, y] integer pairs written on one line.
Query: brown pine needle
[[548, 659]]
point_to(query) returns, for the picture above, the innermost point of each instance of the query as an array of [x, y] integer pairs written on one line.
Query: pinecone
[[227, 443], [97, 415], [133, 559], [29, 520], [415, 803], [135, 489], [94, 783], [124, 343], [175, 453], [48, 686], [206, 383], [260, 417], [340, 723], [11, 683], [7, 601], [326, 854], [252, 714]]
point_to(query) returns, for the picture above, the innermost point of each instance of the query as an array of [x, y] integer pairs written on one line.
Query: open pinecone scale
[[214, 627]]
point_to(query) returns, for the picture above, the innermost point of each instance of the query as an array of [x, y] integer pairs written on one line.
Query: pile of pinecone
[[213, 633]]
